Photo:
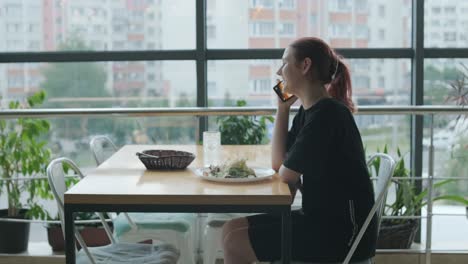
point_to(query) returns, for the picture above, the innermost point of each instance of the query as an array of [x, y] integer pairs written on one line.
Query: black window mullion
[[201, 58], [81, 56], [435, 53], [354, 53], [417, 93], [202, 54]]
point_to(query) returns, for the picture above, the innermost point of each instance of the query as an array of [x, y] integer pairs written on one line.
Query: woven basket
[[400, 236], [166, 159]]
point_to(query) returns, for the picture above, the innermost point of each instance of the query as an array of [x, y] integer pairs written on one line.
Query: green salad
[[236, 169]]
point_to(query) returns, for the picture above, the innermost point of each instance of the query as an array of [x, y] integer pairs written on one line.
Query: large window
[[172, 53], [343, 23], [445, 83], [446, 23], [103, 84], [37, 25], [375, 81]]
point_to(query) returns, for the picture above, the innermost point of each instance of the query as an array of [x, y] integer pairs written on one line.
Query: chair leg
[[198, 237], [211, 244], [185, 245]]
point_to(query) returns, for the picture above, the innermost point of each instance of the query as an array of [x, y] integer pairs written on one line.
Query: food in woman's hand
[[236, 169]]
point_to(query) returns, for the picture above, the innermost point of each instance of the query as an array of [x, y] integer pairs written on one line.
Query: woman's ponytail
[[340, 86]]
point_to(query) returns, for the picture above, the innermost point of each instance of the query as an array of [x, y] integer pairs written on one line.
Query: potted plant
[[93, 234], [400, 233], [23, 154], [243, 130]]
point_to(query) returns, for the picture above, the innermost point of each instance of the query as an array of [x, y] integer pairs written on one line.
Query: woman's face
[[290, 72]]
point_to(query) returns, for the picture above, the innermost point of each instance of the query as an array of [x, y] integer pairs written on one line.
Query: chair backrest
[[56, 178], [384, 176], [102, 148], [384, 173]]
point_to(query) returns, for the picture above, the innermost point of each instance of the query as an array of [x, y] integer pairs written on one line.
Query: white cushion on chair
[[179, 222], [179, 229], [121, 253]]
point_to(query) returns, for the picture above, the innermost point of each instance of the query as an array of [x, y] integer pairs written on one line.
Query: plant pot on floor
[[14, 236], [93, 236], [397, 236]]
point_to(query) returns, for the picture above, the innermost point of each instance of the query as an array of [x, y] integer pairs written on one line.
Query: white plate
[[262, 174]]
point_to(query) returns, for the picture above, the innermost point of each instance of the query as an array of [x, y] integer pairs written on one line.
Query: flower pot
[[14, 236], [93, 236], [397, 236]]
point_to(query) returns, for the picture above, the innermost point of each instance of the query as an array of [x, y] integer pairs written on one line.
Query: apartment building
[[31, 25], [21, 30]]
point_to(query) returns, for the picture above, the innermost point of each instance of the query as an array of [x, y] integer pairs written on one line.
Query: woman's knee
[[236, 245], [233, 239], [233, 225]]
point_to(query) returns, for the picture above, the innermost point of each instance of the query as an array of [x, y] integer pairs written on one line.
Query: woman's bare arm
[[280, 133], [280, 136]]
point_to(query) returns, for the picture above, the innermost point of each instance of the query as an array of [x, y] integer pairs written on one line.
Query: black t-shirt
[[325, 146]]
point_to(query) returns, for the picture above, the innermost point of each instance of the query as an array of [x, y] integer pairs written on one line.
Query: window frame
[[202, 55]]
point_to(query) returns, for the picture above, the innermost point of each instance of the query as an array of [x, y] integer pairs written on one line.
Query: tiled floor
[[38, 253]]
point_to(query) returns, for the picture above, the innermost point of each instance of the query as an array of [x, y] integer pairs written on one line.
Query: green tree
[[437, 83], [73, 80], [80, 79], [184, 101], [450, 73], [431, 73], [445, 86]]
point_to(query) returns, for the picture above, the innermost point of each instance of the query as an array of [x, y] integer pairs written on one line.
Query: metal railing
[[217, 111], [259, 111]]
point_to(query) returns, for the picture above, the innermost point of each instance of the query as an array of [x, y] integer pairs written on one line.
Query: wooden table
[[122, 184]]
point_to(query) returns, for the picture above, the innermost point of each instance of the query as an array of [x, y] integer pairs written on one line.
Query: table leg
[[69, 236], [286, 236]]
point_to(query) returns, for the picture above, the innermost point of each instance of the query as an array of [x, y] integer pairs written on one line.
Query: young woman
[[325, 147]]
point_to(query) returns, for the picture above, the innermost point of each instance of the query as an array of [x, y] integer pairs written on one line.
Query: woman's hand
[[288, 103]]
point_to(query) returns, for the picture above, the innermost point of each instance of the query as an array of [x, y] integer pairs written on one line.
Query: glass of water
[[211, 148]]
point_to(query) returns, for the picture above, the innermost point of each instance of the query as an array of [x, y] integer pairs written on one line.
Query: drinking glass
[[211, 148]]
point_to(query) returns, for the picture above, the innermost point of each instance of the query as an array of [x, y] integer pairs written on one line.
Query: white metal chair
[[116, 252], [384, 176], [179, 229], [102, 148], [211, 241]]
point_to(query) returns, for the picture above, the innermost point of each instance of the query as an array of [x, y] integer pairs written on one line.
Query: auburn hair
[[329, 66]]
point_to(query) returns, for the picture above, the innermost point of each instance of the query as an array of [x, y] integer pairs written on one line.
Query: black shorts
[[311, 240], [265, 236]]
